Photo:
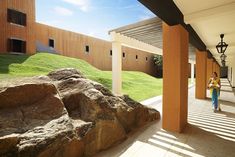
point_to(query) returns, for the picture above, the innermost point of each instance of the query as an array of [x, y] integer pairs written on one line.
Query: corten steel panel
[[175, 77], [8, 30], [201, 75], [140, 64], [3, 20], [73, 45], [209, 69]]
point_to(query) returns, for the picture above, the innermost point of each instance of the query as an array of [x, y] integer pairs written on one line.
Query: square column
[[233, 72], [175, 78], [218, 70], [117, 68], [209, 68], [192, 72], [229, 72], [201, 75], [214, 66], [231, 67]]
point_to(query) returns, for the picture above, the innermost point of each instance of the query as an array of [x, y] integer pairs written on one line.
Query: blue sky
[[90, 17]]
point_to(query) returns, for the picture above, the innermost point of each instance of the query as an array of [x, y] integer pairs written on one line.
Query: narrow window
[[146, 58], [16, 45], [110, 52], [87, 49], [123, 55], [51, 43], [16, 17], [136, 57]]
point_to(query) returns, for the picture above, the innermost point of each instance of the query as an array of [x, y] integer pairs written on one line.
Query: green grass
[[137, 85]]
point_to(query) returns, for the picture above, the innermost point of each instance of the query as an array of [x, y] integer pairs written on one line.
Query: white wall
[[231, 64]]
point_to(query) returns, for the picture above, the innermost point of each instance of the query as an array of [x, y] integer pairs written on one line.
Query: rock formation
[[65, 114]]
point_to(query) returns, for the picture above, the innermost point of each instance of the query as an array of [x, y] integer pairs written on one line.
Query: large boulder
[[65, 114], [89, 100], [34, 122]]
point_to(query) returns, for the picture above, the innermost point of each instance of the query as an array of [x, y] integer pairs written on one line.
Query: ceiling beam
[[147, 35], [194, 39], [151, 31], [166, 10], [209, 54], [152, 26], [152, 41]]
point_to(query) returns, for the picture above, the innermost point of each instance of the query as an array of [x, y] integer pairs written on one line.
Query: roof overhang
[[170, 13], [133, 43], [146, 32], [204, 20]]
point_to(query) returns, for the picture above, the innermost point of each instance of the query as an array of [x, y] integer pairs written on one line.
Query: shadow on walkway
[[207, 134]]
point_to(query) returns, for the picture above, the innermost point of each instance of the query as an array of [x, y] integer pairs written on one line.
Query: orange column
[[201, 75], [175, 78], [209, 68], [218, 70], [214, 66]]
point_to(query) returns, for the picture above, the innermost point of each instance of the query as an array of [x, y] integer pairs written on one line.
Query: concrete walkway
[[208, 134]]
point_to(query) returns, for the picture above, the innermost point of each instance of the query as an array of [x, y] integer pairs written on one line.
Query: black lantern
[[223, 63], [222, 46], [223, 59]]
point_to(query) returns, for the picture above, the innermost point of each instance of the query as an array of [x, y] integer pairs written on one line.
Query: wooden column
[[201, 75], [233, 72], [175, 78], [218, 70], [209, 68], [192, 72], [214, 66]]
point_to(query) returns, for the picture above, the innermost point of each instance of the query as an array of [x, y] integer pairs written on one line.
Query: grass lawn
[[137, 85]]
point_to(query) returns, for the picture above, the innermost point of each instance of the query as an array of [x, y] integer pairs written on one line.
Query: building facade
[[20, 33], [17, 25]]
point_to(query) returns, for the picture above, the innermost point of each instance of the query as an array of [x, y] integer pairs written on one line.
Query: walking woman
[[214, 86]]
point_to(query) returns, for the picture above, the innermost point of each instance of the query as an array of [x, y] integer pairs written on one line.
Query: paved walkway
[[208, 134]]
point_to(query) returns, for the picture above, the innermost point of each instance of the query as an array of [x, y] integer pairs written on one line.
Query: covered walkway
[[208, 134]]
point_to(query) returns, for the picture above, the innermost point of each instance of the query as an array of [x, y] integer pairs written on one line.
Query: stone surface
[[65, 114]]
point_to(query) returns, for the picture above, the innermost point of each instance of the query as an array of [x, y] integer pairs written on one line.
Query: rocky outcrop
[[65, 114]]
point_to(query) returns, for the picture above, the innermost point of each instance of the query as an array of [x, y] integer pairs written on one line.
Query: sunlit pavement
[[208, 134]]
